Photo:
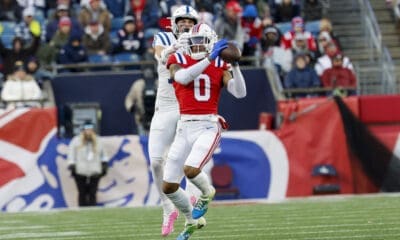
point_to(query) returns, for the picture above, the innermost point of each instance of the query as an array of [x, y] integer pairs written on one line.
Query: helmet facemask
[[199, 47], [183, 12], [201, 41]]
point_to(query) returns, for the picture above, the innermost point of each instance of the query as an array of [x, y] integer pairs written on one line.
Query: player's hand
[[34, 27], [183, 41], [218, 47]]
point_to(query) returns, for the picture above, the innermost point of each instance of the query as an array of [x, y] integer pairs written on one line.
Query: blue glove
[[218, 47]]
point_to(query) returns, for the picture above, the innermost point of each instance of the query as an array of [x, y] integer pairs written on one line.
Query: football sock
[[157, 167], [181, 201], [201, 181]]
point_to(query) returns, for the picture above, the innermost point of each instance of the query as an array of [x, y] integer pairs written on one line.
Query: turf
[[373, 217]]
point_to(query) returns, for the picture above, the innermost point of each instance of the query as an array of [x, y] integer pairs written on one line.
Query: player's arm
[[162, 53], [173, 68], [186, 75], [235, 84]]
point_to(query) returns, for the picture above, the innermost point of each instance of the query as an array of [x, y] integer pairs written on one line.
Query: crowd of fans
[[73, 31]]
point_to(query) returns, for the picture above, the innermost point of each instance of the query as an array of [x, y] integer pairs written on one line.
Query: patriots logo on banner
[[24, 135]]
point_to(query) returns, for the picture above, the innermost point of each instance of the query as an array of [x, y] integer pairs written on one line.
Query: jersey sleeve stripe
[[161, 38], [166, 36], [180, 58]]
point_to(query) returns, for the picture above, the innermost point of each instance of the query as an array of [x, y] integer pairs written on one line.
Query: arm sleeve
[[186, 75], [237, 86]]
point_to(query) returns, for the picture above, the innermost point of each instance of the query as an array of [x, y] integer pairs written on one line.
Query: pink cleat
[[168, 224]]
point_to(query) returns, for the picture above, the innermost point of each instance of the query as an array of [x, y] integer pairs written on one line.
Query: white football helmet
[[184, 11], [201, 41]]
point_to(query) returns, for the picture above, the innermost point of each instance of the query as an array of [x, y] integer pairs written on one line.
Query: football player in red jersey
[[198, 77]]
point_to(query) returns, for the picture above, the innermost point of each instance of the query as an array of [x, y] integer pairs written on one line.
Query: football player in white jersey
[[166, 115]]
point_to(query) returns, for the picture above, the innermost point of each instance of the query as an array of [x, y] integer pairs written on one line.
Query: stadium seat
[[7, 40], [313, 27], [222, 179], [127, 57], [117, 23], [114, 37], [8, 33], [284, 27], [101, 59]]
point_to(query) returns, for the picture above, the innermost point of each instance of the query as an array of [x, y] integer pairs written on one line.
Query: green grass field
[[373, 217]]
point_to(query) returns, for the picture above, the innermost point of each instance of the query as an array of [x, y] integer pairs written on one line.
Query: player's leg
[[162, 132], [193, 191], [201, 153], [173, 175]]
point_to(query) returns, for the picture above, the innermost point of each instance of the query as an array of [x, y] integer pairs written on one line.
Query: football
[[231, 54]]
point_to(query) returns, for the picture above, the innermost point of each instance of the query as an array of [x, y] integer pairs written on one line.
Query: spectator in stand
[[324, 38], [252, 26], [95, 10], [312, 10], [19, 52], [130, 39], [73, 52], [326, 25], [299, 46], [33, 68], [228, 25], [325, 61], [38, 5], [205, 13], [302, 76], [146, 13], [23, 28], [48, 52], [298, 27], [10, 11], [95, 40], [117, 8], [277, 60], [338, 76], [52, 26], [274, 55], [286, 11], [22, 87]]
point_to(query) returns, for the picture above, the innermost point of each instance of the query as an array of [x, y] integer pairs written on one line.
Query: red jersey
[[288, 37], [200, 96]]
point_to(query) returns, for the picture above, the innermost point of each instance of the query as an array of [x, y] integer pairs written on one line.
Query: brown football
[[231, 54]]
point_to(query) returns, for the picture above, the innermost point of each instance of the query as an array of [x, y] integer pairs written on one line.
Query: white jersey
[[166, 98]]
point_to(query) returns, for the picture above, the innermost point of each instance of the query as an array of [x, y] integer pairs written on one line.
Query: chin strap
[[236, 85], [186, 75]]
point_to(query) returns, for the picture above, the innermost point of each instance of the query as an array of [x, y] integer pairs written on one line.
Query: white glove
[[183, 41]]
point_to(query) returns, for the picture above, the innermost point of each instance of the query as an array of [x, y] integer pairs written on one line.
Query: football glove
[[218, 47]]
